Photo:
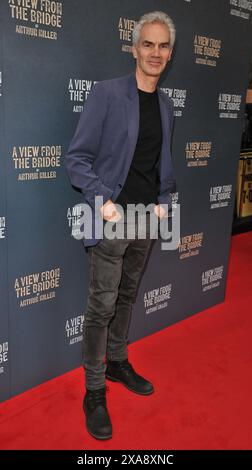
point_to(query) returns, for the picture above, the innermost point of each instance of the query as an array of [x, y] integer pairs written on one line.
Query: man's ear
[[170, 53], [134, 52]]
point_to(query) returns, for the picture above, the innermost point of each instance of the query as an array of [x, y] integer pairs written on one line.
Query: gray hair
[[154, 17]]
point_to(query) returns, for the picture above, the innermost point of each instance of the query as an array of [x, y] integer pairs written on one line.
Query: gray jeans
[[115, 271]]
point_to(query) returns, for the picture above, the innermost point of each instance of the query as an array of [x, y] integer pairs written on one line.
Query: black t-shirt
[[142, 182]]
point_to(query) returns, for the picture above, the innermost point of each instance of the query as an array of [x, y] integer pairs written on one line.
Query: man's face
[[152, 52]]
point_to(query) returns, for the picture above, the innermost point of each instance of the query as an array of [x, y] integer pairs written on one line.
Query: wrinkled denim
[[115, 271]]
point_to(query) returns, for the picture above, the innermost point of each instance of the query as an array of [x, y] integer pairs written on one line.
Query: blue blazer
[[102, 148]]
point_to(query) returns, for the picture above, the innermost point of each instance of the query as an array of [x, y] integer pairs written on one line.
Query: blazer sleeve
[[84, 147], [168, 185]]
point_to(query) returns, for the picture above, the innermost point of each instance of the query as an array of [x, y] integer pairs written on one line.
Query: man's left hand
[[160, 211]]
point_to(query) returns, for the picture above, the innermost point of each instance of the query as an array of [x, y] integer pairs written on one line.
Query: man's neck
[[146, 83]]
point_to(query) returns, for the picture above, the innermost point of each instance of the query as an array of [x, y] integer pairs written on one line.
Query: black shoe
[[123, 372], [97, 418]]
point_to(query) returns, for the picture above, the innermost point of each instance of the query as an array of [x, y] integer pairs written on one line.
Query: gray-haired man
[[121, 151]]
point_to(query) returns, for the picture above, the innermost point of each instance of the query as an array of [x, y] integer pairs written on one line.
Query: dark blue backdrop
[[47, 71]]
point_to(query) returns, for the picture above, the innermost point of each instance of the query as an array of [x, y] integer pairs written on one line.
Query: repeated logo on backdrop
[[74, 329], [2, 227], [74, 219], [157, 299], [37, 162], [4, 349], [207, 50], [175, 199], [211, 278], [178, 97], [79, 90], [37, 18], [37, 287], [125, 28], [229, 105], [220, 196], [198, 153], [241, 8], [190, 245]]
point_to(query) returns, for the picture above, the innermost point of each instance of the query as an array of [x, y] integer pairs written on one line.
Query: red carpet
[[202, 401]]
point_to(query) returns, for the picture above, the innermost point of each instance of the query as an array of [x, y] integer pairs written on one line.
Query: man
[[121, 152]]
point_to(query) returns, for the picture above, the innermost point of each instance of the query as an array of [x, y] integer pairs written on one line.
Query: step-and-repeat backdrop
[[52, 53]]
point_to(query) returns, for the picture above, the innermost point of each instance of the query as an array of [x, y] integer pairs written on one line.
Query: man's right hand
[[109, 212]]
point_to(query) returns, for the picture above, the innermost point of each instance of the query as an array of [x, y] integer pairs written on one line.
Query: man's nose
[[156, 50]]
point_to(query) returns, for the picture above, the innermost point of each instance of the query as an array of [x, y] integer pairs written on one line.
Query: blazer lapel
[[164, 115], [132, 107], [165, 129]]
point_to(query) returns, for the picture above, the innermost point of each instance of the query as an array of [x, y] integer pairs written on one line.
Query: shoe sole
[[100, 438], [131, 389]]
